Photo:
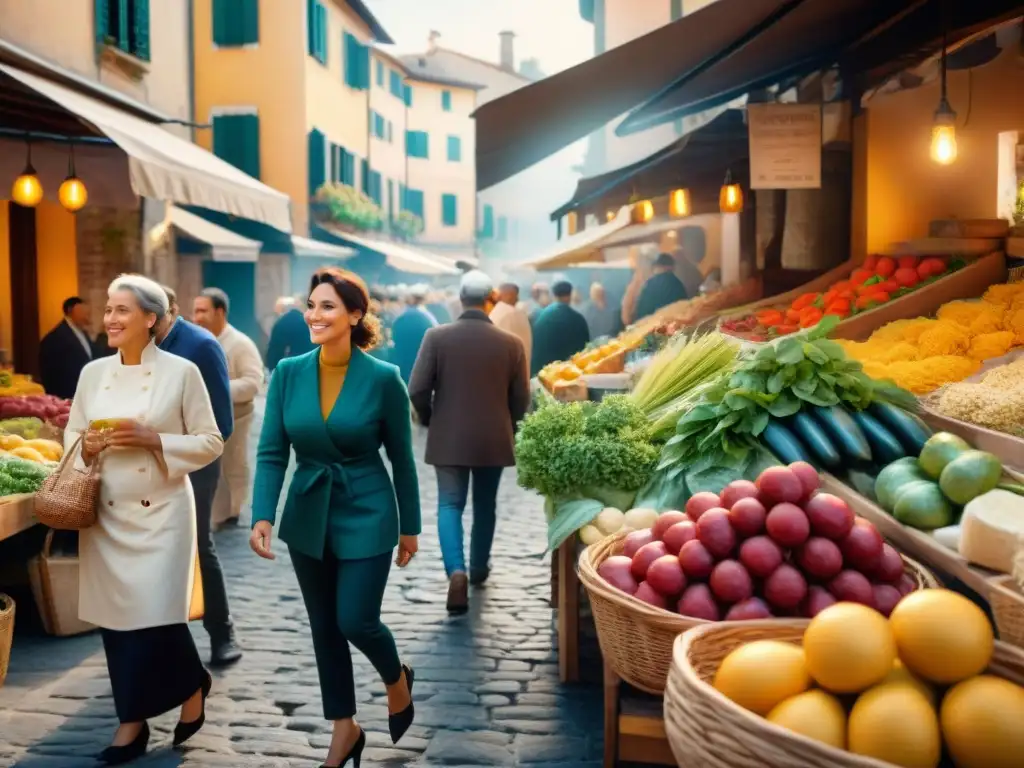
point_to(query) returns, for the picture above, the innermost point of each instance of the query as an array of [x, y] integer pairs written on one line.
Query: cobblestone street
[[487, 690]]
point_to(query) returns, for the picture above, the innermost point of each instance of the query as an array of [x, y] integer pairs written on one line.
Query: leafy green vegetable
[[20, 476], [569, 517], [567, 451]]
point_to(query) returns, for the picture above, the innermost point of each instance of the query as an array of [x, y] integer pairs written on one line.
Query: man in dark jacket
[[559, 331], [663, 288], [290, 335], [469, 388], [184, 339], [66, 350]]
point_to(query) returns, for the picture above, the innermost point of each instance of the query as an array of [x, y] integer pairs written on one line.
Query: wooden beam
[[568, 613]]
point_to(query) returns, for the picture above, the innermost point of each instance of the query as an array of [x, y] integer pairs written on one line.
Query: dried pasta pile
[[996, 402]]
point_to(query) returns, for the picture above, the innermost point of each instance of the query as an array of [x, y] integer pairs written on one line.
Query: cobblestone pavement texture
[[487, 690]]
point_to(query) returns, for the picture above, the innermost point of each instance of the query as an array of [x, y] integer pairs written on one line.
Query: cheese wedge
[[991, 530]]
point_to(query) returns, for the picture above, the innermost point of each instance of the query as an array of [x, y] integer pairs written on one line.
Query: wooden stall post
[[568, 612]]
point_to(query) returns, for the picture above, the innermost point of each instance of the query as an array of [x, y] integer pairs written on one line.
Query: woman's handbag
[[68, 498]]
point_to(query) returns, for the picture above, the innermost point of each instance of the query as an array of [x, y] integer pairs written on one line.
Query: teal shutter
[[414, 202], [317, 164], [396, 84], [487, 225], [316, 30], [417, 144], [446, 101], [102, 15], [311, 27], [357, 63], [236, 22], [140, 29], [250, 22], [408, 95], [364, 170], [587, 10], [364, 66], [454, 149], [236, 140], [348, 168], [677, 9], [380, 73], [502, 229], [335, 166], [449, 210]]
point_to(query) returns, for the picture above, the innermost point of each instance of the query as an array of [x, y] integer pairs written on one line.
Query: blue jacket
[[201, 347], [407, 336], [288, 338]]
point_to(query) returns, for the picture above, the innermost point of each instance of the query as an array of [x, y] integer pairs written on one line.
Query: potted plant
[[347, 207], [407, 225]]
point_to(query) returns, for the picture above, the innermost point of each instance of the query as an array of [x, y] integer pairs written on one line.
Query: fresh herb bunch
[[571, 450], [721, 432], [18, 476]]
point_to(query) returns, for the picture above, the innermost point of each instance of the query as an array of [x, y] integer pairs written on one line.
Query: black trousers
[[217, 615], [152, 670]]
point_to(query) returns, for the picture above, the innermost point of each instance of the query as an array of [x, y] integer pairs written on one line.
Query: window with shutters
[[417, 144], [446, 101], [236, 139], [375, 191], [124, 24], [348, 167], [502, 229], [357, 62], [449, 210], [454, 149], [413, 202], [236, 23], [335, 152], [487, 222], [380, 73], [407, 95], [316, 30], [396, 86], [317, 149], [364, 174]]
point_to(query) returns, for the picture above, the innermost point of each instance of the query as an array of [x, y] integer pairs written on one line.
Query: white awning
[[583, 246], [402, 257], [165, 167], [224, 244], [318, 249]]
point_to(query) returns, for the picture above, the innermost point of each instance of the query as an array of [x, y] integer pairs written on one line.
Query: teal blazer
[[341, 494]]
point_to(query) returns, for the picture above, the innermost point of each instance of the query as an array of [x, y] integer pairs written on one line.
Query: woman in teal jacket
[[336, 406]]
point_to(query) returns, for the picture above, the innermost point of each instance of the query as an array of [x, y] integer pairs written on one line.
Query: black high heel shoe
[[399, 722], [128, 752], [355, 754], [185, 731]]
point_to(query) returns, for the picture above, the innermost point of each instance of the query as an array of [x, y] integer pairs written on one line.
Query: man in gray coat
[[470, 388]]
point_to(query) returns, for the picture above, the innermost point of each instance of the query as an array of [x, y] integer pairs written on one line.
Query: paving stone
[[487, 690]]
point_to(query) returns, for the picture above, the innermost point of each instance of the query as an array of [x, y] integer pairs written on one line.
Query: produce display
[[584, 457], [995, 402], [18, 385], [923, 354], [39, 406], [774, 547], [900, 690], [18, 475], [37, 450], [688, 313], [609, 357], [611, 520], [879, 280]]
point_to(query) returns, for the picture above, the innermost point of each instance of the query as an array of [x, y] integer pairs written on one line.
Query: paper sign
[[785, 146]]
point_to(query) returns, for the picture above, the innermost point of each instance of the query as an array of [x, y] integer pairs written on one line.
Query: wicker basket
[[706, 730], [636, 638], [6, 634], [1007, 604]]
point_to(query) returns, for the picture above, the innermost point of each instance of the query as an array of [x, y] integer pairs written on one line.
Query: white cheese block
[[949, 537], [990, 530]]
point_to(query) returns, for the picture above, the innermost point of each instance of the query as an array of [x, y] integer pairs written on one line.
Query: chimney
[[432, 40], [508, 55]]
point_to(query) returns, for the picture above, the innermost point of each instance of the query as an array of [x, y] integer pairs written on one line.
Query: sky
[[549, 30]]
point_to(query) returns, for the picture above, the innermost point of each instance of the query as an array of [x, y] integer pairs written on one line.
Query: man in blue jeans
[[470, 387]]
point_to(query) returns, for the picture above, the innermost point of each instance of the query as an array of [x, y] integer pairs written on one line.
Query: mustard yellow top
[[332, 377]]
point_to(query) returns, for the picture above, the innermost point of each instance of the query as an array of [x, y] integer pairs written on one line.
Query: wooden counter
[[17, 514]]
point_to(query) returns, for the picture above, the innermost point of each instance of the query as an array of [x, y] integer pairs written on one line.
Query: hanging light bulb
[[730, 199], [679, 203], [943, 146], [27, 190], [643, 212], [72, 193], [610, 215]]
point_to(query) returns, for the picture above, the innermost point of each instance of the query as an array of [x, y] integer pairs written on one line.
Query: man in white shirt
[[507, 316], [245, 370]]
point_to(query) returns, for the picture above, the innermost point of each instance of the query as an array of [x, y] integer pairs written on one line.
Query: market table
[[565, 596], [17, 514], [634, 727]]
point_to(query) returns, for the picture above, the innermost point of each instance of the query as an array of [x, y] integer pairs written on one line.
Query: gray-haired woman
[[146, 416]]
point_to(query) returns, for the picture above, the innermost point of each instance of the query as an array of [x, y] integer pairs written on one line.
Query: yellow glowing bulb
[[679, 203], [27, 190], [730, 200], [943, 149], [643, 212], [572, 222], [610, 215], [72, 194]]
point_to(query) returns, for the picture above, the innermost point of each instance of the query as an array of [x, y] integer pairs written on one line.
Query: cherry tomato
[[885, 266]]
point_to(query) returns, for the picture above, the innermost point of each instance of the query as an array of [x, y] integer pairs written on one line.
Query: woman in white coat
[[137, 561]]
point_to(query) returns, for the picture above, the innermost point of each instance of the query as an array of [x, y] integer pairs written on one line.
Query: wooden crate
[[634, 728], [17, 514]]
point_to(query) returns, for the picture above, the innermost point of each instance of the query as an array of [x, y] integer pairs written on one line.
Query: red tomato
[[805, 300], [870, 262], [931, 267], [839, 305], [908, 262], [869, 300], [888, 286], [885, 266], [785, 330], [792, 316], [907, 277], [842, 285], [860, 275]]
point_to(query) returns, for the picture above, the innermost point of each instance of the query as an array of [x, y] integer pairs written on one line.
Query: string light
[[27, 190]]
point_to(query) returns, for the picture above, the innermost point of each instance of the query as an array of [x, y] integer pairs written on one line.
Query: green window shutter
[[250, 22], [449, 210], [236, 140], [502, 229], [316, 30], [236, 22], [335, 169], [414, 202], [587, 10], [311, 27], [317, 164], [454, 149], [487, 225], [348, 167], [396, 84], [446, 101], [364, 66], [375, 187], [380, 73], [677, 9], [102, 15], [407, 95], [364, 171]]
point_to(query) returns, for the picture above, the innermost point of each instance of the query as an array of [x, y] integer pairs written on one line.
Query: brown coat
[[470, 387]]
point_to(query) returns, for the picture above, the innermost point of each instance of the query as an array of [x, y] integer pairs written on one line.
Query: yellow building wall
[[270, 77], [898, 190], [339, 112], [56, 262], [388, 157], [6, 326], [435, 175]]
